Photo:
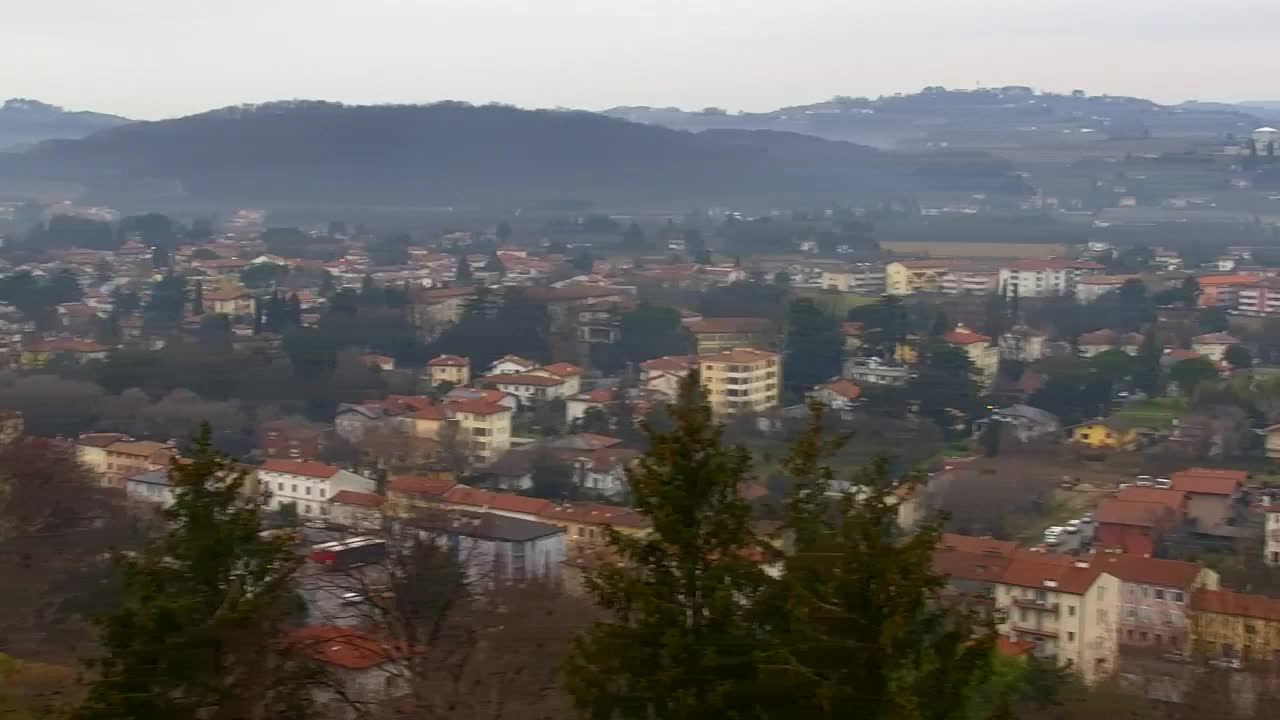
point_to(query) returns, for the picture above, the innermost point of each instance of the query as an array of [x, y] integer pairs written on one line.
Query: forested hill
[[455, 154], [26, 122]]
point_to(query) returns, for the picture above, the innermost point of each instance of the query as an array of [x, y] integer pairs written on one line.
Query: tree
[[552, 479], [197, 299], [633, 240], [679, 644], [205, 609], [264, 275], [885, 325], [651, 331], [167, 303], [1148, 376], [813, 347], [462, 275], [1213, 320], [494, 264], [503, 232], [782, 278], [1191, 373], [944, 386], [1238, 357], [582, 261], [856, 625]]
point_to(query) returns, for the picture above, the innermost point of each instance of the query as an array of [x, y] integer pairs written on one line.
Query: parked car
[[1087, 518], [1227, 663], [352, 598], [1164, 483], [1053, 535], [1073, 526]]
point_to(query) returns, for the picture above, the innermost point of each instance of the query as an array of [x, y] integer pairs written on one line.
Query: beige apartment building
[[907, 277], [741, 380], [452, 369], [484, 429]]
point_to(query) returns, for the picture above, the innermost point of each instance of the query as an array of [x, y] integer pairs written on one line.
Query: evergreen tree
[[494, 264], [259, 322], [197, 299], [855, 627], [293, 310], [679, 645], [327, 287], [813, 347], [1147, 374], [463, 275], [199, 633]]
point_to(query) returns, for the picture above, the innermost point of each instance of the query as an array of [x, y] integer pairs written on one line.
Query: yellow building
[[484, 429], [586, 523], [907, 277], [741, 380], [984, 356], [452, 369], [1227, 624], [1105, 434]]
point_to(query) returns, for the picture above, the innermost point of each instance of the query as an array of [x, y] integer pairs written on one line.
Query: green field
[[1155, 413]]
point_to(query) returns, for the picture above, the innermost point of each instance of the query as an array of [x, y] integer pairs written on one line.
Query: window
[[323, 492], [1250, 629], [293, 488], [1102, 593], [1022, 614], [1146, 592], [1159, 639], [1175, 595], [308, 489], [1159, 594], [480, 432], [1071, 637], [1041, 596], [1142, 636], [1131, 612], [306, 509], [280, 486], [1071, 611]]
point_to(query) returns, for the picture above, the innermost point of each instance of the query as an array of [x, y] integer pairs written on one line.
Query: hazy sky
[[157, 58]]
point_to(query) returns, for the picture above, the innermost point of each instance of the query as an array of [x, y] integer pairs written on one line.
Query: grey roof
[[152, 477], [1033, 414], [373, 413], [484, 525]]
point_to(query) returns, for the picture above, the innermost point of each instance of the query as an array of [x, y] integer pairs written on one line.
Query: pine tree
[[197, 299], [327, 287], [855, 626], [200, 631], [679, 645], [293, 310], [463, 276]]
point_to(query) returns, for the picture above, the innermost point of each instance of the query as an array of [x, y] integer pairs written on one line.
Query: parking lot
[[1074, 543]]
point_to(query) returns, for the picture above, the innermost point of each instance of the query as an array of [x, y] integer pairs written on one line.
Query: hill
[[26, 122], [314, 153]]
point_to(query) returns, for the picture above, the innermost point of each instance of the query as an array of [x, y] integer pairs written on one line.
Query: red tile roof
[[363, 499], [1226, 602], [432, 484], [570, 293], [851, 328], [844, 388], [477, 407], [1013, 648], [670, 363], [1226, 280], [1208, 481], [1175, 499], [68, 345], [435, 412], [985, 545], [345, 647], [1048, 572], [961, 336], [1113, 511], [1148, 571], [300, 467], [720, 325], [563, 369], [599, 395], [738, 355], [965, 565], [521, 379], [929, 264], [449, 361], [596, 514], [466, 495]]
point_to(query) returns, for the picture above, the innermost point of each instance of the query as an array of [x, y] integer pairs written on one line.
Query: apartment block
[[741, 380]]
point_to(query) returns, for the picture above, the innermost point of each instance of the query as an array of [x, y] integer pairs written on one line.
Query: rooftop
[[449, 361], [485, 525], [307, 468], [1226, 602], [1208, 481], [1056, 572], [738, 355], [427, 484], [484, 499], [721, 325], [361, 499]]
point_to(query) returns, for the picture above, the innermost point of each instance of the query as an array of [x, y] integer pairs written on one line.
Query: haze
[[158, 58]]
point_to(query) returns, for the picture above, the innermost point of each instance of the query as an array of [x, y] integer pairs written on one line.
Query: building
[[1105, 433], [1271, 541], [860, 278], [360, 511], [431, 311], [1223, 290], [293, 439], [1095, 343], [1138, 527], [1068, 609], [12, 426], [568, 373], [717, 334], [970, 281], [493, 547], [984, 356], [1155, 596], [406, 493], [1092, 287], [1213, 345], [1259, 299], [125, 458], [511, 365], [664, 374], [907, 277], [1272, 443], [1044, 277], [1023, 422], [1215, 497], [972, 567], [234, 302], [875, 371], [1227, 624], [484, 428], [39, 353], [308, 485], [741, 380], [361, 670], [1022, 344], [531, 389], [586, 524], [838, 394], [152, 486]]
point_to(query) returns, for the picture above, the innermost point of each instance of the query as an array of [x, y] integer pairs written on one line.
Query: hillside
[[311, 153], [26, 122]]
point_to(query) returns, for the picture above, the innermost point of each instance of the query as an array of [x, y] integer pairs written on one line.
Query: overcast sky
[[158, 58]]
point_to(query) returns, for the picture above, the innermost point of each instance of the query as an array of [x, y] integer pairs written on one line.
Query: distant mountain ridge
[[297, 153], [25, 122]]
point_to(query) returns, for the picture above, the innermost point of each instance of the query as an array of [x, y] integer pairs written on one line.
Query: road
[[1073, 543]]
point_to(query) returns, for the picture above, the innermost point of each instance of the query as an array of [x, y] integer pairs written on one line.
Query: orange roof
[[432, 484], [596, 514], [729, 325], [522, 379], [1013, 648], [1124, 512], [929, 264], [985, 544], [1226, 602], [738, 355], [308, 468], [449, 361], [1034, 264], [962, 336], [1175, 499], [563, 369], [342, 646], [1049, 572], [225, 295], [1208, 481], [363, 499], [69, 345], [466, 495], [1148, 571], [1226, 280], [598, 395], [844, 388], [435, 412], [571, 292], [967, 565], [670, 363]]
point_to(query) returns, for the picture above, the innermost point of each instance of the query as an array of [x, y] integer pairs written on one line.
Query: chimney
[[1081, 563]]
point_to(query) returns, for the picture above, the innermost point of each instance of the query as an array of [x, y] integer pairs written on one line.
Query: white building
[[151, 486], [492, 547], [1044, 277], [309, 486], [1092, 287], [860, 278], [875, 371], [529, 388], [970, 281], [1272, 549]]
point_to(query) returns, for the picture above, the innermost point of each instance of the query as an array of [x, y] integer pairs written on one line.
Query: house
[[432, 310], [1155, 596], [91, 450], [1138, 527], [39, 353], [1271, 540], [115, 458], [860, 278], [665, 373], [1105, 433], [360, 669], [493, 547], [385, 363], [152, 486], [852, 332], [907, 277], [569, 373], [12, 426], [1044, 277], [972, 566], [1213, 345], [741, 380], [1094, 343], [408, 492], [1092, 287], [511, 365], [596, 463], [1069, 609], [985, 358], [531, 389], [351, 421], [233, 301], [875, 371], [838, 394], [1214, 497], [716, 334], [586, 524], [1227, 624], [293, 438], [484, 428], [465, 497], [308, 485], [452, 369], [577, 405], [360, 511], [1026, 423], [1223, 290], [1022, 344]]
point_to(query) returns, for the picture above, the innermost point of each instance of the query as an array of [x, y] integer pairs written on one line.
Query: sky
[[161, 58]]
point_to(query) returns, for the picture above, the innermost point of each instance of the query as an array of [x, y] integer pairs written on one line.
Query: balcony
[[1036, 604], [1039, 632]]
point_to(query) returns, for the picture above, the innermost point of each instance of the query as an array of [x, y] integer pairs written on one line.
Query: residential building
[[484, 428], [1022, 344], [1105, 433], [406, 493], [1156, 597], [308, 485], [231, 301], [1023, 422], [1260, 299], [1044, 277], [875, 371], [717, 334], [38, 353], [852, 332], [1068, 609], [126, 458], [970, 281], [1092, 287], [531, 389], [355, 510], [586, 524], [1272, 442], [596, 463], [12, 426], [511, 365], [1271, 531], [493, 547], [91, 450], [569, 373], [972, 567], [1227, 624], [984, 356], [576, 406], [362, 671], [860, 278], [1138, 527], [907, 277], [741, 380], [838, 394], [435, 309], [1214, 497], [665, 373], [293, 439], [152, 486], [1213, 345], [1223, 290], [1094, 343]]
